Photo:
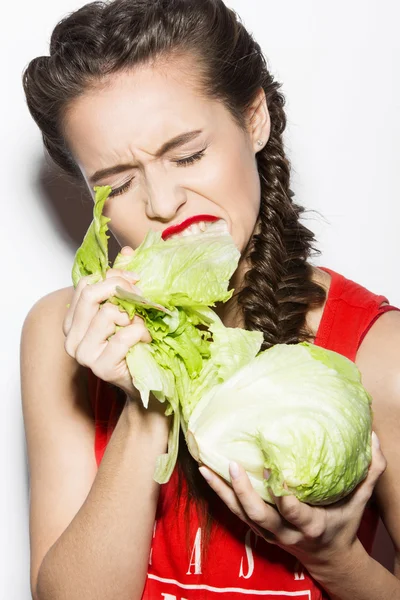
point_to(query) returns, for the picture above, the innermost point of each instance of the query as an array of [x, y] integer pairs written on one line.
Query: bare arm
[[90, 529], [104, 552], [360, 577]]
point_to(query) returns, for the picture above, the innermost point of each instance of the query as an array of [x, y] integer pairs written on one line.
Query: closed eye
[[123, 188], [191, 159], [184, 162]]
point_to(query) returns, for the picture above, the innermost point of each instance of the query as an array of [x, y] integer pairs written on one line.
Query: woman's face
[[115, 134]]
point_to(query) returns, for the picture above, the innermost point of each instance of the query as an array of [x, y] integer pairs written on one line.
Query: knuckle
[[82, 283], [291, 539], [314, 531], [69, 348], [291, 511], [66, 326], [80, 356], [363, 493], [113, 273], [129, 334], [382, 464], [87, 293], [104, 374], [99, 371], [109, 310], [256, 515]]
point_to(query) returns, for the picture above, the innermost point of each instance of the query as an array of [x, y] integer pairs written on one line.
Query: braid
[[278, 291], [103, 38]]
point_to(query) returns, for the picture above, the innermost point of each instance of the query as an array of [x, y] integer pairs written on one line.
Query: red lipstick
[[181, 226]]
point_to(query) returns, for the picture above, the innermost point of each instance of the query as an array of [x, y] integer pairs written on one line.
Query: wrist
[[338, 564], [151, 419]]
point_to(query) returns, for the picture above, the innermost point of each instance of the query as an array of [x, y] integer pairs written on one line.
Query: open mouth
[[195, 226]]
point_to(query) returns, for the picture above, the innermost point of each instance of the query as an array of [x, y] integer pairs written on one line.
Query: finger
[[310, 521], [88, 306], [87, 280], [378, 460], [100, 329], [256, 509], [84, 281], [228, 496], [263, 533], [129, 275], [364, 490], [111, 364], [224, 491]]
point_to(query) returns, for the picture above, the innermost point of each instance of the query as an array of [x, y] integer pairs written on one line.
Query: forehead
[[137, 109]]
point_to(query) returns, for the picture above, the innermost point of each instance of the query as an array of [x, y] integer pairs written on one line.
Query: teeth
[[194, 228], [201, 227]]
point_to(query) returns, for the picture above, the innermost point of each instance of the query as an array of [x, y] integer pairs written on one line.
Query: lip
[[181, 226]]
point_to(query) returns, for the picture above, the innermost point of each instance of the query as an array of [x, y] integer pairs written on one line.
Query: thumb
[[364, 490]]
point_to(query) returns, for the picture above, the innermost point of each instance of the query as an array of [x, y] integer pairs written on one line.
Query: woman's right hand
[[88, 325]]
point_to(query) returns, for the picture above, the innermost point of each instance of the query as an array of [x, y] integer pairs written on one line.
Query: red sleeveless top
[[237, 563]]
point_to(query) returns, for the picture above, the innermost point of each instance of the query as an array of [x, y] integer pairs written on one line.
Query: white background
[[339, 64]]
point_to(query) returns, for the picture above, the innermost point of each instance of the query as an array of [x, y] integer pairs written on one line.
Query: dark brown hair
[[103, 38]]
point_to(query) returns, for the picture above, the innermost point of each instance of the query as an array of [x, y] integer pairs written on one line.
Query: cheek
[[127, 225], [232, 175], [243, 187]]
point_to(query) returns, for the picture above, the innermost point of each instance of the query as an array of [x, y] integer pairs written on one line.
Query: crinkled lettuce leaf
[[91, 257], [299, 411], [179, 279], [184, 271]]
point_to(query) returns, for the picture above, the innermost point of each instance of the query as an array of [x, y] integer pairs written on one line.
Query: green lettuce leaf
[[184, 271], [299, 411], [92, 256], [180, 279]]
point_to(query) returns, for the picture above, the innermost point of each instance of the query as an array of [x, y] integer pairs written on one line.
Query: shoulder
[[43, 330], [378, 356], [50, 308], [53, 300], [378, 359]]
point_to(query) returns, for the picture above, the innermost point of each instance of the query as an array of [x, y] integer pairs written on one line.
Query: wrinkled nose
[[164, 198]]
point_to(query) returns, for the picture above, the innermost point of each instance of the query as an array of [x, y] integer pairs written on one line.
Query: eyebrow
[[179, 140]]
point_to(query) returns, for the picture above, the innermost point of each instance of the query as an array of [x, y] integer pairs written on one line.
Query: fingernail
[[127, 250], [234, 470], [267, 473], [375, 440], [206, 473]]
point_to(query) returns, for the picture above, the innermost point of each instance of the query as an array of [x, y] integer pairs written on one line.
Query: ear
[[259, 121]]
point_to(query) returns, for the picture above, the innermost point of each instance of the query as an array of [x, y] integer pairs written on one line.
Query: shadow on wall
[[69, 206]]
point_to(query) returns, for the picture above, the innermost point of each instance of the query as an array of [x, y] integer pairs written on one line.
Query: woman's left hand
[[315, 535]]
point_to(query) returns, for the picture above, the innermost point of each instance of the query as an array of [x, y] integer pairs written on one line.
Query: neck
[[230, 312]]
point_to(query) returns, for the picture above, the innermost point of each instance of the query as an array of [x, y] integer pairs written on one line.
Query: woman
[[171, 104]]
